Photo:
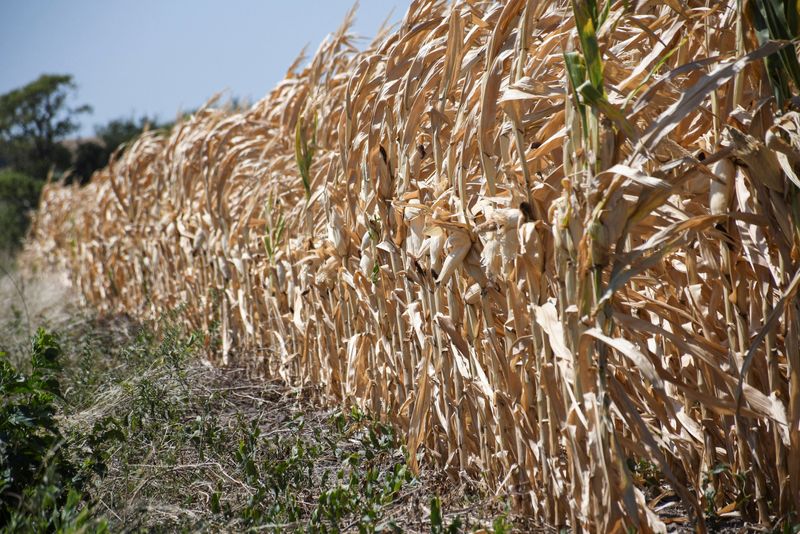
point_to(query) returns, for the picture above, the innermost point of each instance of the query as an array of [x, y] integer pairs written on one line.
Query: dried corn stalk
[[496, 230]]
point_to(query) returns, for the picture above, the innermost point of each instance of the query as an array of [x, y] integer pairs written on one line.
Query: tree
[[92, 155], [119, 131], [33, 119], [19, 195], [89, 156]]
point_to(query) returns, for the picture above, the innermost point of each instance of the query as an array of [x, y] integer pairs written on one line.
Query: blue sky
[[157, 57]]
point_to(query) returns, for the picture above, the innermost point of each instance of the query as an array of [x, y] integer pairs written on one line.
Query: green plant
[[304, 152], [788, 526], [438, 525], [778, 20], [29, 435], [51, 508], [273, 229], [644, 473], [356, 493], [585, 71], [40, 487], [741, 495], [501, 524]]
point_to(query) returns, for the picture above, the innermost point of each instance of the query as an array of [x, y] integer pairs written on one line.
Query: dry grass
[[539, 274], [30, 300]]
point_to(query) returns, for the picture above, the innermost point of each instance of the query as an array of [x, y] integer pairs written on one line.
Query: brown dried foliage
[[534, 299]]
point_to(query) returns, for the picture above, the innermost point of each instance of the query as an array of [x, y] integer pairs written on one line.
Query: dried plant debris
[[546, 241]]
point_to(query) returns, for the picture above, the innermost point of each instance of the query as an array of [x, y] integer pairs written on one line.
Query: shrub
[[19, 194], [38, 490]]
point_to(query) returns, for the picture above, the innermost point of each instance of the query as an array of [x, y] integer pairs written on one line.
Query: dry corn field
[[547, 240]]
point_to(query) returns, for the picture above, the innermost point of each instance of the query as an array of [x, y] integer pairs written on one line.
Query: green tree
[[93, 155], [89, 157], [120, 131], [34, 119], [19, 195]]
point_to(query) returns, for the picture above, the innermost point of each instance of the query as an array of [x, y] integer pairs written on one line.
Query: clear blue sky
[[157, 57]]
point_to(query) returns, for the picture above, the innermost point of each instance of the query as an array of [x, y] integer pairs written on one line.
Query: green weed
[[40, 485]]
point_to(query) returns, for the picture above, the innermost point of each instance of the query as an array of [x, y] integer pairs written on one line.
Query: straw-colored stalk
[[499, 235]]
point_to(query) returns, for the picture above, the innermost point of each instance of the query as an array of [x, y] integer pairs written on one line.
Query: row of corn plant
[[546, 240]]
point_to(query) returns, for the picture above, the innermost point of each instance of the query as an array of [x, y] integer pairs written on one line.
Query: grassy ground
[[155, 440]]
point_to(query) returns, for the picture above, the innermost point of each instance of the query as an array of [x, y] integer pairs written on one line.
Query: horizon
[[162, 62]]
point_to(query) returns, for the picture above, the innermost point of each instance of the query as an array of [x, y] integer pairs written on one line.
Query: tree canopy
[[119, 131], [33, 119], [35, 122], [19, 194]]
